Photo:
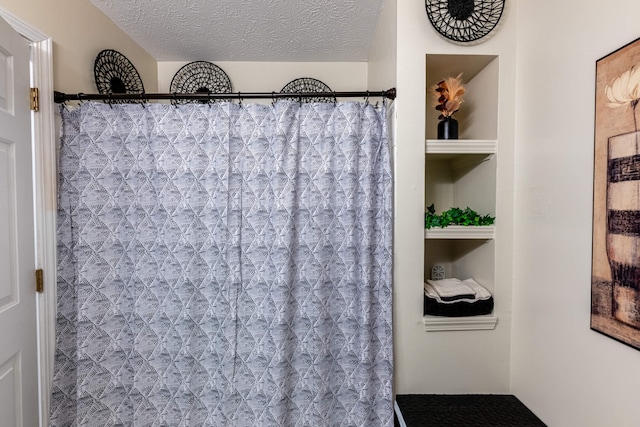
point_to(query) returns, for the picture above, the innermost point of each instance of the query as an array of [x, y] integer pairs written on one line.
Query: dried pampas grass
[[447, 95]]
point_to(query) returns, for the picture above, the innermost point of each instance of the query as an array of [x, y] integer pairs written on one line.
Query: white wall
[[272, 76], [566, 373], [460, 361], [381, 68], [80, 31]]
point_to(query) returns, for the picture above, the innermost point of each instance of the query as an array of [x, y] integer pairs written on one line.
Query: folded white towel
[[473, 290], [481, 291], [452, 289]]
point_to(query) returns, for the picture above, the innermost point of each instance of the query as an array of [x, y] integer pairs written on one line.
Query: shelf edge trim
[[471, 323], [460, 146], [462, 232]]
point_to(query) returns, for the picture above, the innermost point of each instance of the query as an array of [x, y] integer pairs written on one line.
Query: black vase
[[448, 128]]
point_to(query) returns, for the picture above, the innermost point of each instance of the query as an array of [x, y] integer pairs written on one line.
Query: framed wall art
[[615, 273]]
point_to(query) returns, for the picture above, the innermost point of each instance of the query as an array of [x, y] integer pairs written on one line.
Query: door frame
[[43, 131]]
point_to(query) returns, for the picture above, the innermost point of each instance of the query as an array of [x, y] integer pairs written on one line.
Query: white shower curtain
[[224, 265]]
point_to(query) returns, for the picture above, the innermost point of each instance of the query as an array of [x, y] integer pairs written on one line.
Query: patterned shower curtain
[[224, 265]]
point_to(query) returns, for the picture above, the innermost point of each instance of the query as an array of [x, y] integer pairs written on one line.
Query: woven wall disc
[[200, 77], [307, 84], [114, 73], [464, 20]]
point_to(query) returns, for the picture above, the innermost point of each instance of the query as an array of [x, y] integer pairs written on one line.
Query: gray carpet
[[466, 410]]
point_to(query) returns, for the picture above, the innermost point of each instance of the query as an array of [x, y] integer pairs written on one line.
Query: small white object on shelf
[[437, 272]]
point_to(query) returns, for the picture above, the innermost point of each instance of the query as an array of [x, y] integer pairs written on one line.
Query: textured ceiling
[[248, 30]]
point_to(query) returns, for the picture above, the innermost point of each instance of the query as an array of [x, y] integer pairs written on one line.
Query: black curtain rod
[[60, 97]]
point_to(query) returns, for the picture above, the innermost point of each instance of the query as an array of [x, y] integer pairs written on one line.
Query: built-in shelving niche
[[461, 173]]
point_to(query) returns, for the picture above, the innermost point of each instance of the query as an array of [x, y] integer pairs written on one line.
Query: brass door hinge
[[39, 281], [35, 99]]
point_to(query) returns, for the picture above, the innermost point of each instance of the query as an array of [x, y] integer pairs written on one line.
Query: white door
[[18, 348]]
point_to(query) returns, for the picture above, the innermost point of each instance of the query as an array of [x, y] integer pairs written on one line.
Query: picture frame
[[615, 272]]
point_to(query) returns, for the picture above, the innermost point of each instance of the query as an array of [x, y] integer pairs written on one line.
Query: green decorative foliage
[[455, 216]]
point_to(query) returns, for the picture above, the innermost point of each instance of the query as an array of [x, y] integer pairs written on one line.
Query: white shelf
[[460, 146], [471, 323], [486, 232]]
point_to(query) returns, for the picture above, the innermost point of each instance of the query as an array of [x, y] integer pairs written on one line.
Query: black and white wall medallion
[[115, 74], [464, 20]]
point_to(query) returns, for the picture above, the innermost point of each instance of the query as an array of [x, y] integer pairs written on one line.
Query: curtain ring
[[239, 98], [273, 98], [142, 96], [174, 100], [335, 99], [110, 102], [80, 97], [366, 99]]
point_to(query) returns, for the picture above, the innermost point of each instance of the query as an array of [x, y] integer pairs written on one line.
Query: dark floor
[[464, 410]]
